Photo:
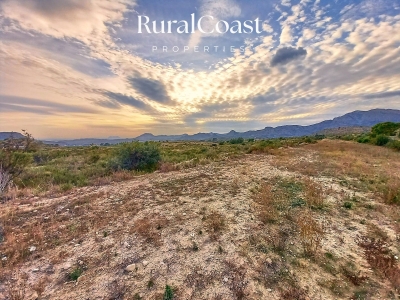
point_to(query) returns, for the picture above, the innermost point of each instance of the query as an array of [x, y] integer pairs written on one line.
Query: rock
[[226, 279], [269, 261], [396, 257], [269, 290], [184, 214], [131, 268], [32, 249], [35, 270], [145, 263]]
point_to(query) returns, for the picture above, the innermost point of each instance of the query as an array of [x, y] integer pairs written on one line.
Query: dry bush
[[237, 279], [355, 278], [314, 194], [5, 179], [149, 228], [117, 290], [166, 167], [294, 292], [40, 286], [312, 232], [215, 223], [381, 259], [279, 239], [391, 193], [267, 211], [16, 287]]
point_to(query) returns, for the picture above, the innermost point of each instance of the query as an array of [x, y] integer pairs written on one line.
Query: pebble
[[131, 268], [226, 279], [269, 261], [396, 257], [35, 270], [269, 290], [32, 249], [145, 263]]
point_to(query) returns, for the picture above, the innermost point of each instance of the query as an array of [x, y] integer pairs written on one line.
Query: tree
[[14, 158]]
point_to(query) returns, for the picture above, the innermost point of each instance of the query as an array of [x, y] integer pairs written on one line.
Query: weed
[[75, 274], [195, 247], [150, 284], [215, 223], [348, 205], [314, 194], [380, 258], [238, 283], [312, 232], [168, 293]]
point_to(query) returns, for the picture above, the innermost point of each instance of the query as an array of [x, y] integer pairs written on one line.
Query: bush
[[382, 140], [237, 141], [387, 128], [136, 156], [394, 145], [14, 158]]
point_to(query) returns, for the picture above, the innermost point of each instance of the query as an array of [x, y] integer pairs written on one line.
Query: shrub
[[348, 205], [14, 158], [387, 128], [394, 145], [382, 140], [239, 140], [312, 232], [136, 156], [75, 274]]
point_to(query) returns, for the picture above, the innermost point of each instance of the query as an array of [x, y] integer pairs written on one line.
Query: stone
[[131, 268], [145, 263], [226, 279], [32, 249], [269, 261], [269, 290]]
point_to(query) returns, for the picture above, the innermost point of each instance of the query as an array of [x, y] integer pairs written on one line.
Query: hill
[[6, 135], [353, 119]]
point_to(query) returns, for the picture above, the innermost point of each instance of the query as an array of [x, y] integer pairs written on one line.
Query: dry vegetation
[[316, 221]]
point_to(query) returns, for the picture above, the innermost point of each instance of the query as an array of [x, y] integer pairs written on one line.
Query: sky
[[80, 68]]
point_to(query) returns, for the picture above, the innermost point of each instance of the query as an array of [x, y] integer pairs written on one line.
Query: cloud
[[151, 88], [43, 107], [219, 10], [126, 100], [287, 54], [383, 95]]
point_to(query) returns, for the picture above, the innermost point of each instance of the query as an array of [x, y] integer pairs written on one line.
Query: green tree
[[387, 128]]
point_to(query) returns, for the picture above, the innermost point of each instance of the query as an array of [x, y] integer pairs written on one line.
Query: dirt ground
[[199, 231]]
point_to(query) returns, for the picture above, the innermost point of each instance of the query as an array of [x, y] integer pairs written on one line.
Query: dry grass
[[314, 194], [311, 232], [266, 200], [150, 227], [381, 259], [215, 223], [244, 244]]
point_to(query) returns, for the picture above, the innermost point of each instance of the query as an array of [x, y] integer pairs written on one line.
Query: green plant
[[136, 156], [386, 128], [150, 284], [348, 205], [168, 293], [14, 158], [382, 140], [75, 274]]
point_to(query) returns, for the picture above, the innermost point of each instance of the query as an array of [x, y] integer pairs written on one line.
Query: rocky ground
[[232, 229]]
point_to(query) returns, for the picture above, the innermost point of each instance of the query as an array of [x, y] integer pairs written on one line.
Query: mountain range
[[353, 119]]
